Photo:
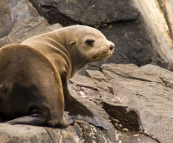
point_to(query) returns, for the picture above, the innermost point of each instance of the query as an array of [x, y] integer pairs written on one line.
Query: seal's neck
[[77, 60]]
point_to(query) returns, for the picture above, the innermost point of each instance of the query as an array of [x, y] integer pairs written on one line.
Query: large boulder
[[137, 99], [13, 11], [26, 28], [87, 12], [149, 90]]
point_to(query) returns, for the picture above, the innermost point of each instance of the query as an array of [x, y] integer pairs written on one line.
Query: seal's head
[[91, 43]]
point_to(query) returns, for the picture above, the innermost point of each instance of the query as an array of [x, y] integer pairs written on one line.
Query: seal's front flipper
[[68, 118], [29, 120], [96, 120], [79, 111], [39, 121]]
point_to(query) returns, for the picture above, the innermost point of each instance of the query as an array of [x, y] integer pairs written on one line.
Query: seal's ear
[[72, 42]]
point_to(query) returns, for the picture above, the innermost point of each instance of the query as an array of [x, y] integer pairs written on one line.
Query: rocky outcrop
[[13, 11], [147, 89], [157, 15], [87, 12], [27, 28], [136, 101]]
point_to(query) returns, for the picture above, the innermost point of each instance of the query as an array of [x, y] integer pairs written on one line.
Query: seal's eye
[[89, 42]]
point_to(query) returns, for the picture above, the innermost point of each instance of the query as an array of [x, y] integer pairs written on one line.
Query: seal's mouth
[[101, 57], [103, 54]]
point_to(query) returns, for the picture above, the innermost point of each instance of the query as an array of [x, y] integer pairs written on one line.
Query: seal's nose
[[112, 47]]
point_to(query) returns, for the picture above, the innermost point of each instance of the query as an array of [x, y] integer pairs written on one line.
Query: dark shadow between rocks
[[123, 117]]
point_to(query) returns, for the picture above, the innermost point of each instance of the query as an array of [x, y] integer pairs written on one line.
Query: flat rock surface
[[152, 98]]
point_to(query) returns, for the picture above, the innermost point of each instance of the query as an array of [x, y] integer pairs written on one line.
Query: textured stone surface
[[86, 11], [12, 11], [132, 43], [27, 28], [80, 132], [5, 20], [152, 98], [21, 9], [126, 117], [23, 133]]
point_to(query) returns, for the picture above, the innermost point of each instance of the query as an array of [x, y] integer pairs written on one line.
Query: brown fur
[[30, 85], [44, 64]]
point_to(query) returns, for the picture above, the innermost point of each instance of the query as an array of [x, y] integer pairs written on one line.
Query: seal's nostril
[[112, 47]]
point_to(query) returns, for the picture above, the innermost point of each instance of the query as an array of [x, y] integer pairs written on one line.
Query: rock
[[158, 71], [132, 42], [27, 28], [165, 75], [23, 133], [6, 23], [21, 9], [98, 89], [152, 98], [13, 11], [137, 138], [78, 133], [124, 118], [129, 71], [99, 79], [48, 9], [87, 12], [160, 32], [4, 41]]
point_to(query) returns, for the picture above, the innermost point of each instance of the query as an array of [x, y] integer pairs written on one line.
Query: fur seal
[[34, 75]]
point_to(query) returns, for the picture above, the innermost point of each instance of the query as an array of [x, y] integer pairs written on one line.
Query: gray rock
[[5, 20], [80, 132], [165, 75], [13, 11], [129, 71], [87, 12], [27, 28], [126, 118], [21, 9], [152, 98], [23, 134], [132, 42]]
